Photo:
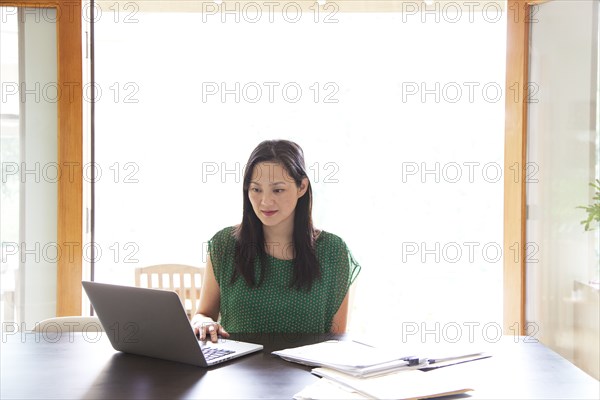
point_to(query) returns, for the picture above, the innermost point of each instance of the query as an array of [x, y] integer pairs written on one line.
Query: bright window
[[28, 129], [401, 121], [10, 159]]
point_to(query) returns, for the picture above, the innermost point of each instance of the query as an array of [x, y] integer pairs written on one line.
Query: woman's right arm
[[208, 311]]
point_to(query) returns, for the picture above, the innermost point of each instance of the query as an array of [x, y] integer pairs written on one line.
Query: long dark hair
[[250, 240]]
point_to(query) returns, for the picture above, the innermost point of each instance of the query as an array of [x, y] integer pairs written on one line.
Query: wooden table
[[78, 366]]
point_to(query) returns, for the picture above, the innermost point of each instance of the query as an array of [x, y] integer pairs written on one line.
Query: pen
[[412, 360]]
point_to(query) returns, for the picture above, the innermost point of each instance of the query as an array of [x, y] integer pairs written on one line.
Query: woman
[[275, 272]]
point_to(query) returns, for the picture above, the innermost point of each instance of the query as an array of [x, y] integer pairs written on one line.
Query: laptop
[[153, 323]]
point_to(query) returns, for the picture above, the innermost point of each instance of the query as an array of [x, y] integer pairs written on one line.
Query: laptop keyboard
[[210, 353]]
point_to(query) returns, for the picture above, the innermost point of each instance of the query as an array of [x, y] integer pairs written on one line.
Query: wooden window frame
[[70, 149], [520, 14]]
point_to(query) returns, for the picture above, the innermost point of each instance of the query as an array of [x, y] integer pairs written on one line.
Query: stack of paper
[[360, 360], [354, 370], [352, 358], [398, 385]]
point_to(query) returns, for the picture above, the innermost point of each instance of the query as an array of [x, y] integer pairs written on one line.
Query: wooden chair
[[185, 280]]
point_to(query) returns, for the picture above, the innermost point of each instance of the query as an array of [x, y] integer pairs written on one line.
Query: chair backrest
[[69, 324], [185, 280]]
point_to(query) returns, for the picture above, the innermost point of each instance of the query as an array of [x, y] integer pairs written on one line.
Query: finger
[[202, 333], [214, 337], [223, 332], [202, 330]]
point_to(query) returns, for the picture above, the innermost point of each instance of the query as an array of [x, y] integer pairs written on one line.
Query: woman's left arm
[[340, 318]]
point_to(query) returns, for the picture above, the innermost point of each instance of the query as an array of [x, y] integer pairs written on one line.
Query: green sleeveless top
[[274, 306]]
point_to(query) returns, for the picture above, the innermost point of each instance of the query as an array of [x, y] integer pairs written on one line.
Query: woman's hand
[[210, 297], [205, 327]]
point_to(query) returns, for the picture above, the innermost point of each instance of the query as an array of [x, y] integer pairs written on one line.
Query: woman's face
[[274, 194]]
